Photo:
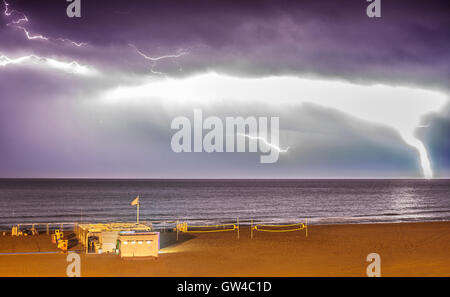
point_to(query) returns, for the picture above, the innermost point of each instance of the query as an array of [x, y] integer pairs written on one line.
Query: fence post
[[251, 229], [238, 226], [306, 226]]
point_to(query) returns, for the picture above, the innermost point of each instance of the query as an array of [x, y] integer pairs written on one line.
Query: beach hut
[[101, 238], [138, 244]]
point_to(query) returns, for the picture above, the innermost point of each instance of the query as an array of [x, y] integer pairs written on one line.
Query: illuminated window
[[149, 241], [125, 242], [133, 242], [140, 242]]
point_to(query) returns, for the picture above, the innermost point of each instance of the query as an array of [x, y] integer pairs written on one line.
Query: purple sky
[[53, 124]]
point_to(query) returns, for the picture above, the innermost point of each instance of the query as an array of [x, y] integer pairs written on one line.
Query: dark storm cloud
[[408, 44]]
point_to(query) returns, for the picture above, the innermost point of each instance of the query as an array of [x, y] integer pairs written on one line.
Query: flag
[[135, 201]]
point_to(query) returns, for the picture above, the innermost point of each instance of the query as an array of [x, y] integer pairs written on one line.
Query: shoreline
[[406, 249]]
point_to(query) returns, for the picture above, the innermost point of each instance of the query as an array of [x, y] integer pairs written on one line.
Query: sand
[[406, 249]]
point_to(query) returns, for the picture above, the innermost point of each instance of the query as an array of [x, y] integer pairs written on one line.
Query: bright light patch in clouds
[[400, 108]]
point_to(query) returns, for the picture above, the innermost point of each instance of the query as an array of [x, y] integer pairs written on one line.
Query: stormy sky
[[95, 96]]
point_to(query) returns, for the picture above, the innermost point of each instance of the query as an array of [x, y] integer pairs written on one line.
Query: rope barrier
[[184, 227], [273, 230], [261, 227]]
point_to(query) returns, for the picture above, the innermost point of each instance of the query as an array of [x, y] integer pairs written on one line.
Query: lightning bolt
[[7, 11], [423, 155], [154, 60], [24, 19], [18, 21], [71, 67], [77, 44], [182, 53], [28, 34], [265, 142]]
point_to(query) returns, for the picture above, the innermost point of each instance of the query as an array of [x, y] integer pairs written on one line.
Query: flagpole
[[136, 202], [138, 212]]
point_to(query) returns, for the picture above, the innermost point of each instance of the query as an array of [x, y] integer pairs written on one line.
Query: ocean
[[211, 201]]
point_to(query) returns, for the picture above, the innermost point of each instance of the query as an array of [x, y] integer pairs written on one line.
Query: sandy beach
[[406, 249]]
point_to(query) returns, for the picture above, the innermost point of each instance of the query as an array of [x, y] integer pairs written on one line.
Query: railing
[[172, 225], [46, 226]]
